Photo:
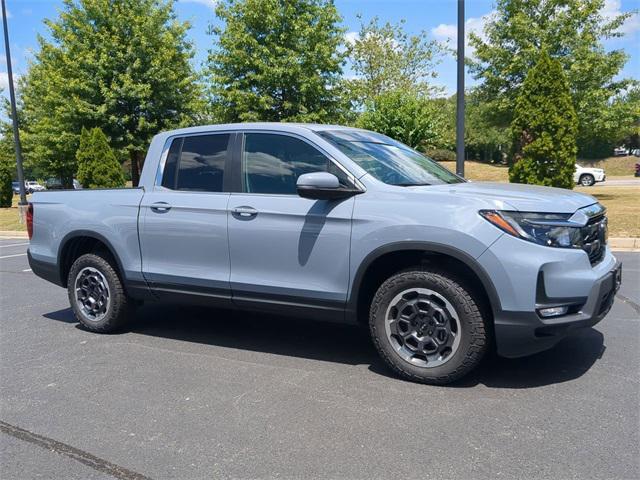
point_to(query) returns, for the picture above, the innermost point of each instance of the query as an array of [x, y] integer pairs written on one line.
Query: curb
[[625, 244], [618, 244], [13, 234]]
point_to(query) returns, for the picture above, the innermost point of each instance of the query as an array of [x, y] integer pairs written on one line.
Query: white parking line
[[26, 270], [10, 256], [13, 245]]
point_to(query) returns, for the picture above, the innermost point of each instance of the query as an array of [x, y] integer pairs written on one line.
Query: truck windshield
[[387, 160]]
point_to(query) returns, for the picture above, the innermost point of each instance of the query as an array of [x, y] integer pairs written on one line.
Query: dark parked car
[[56, 184], [637, 174], [15, 186]]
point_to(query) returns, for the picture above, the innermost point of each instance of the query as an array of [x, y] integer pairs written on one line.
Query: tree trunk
[[136, 165]]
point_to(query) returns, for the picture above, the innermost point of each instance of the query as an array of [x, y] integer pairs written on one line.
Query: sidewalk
[[616, 244]]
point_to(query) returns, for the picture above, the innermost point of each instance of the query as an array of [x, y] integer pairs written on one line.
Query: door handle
[[244, 213], [160, 207]]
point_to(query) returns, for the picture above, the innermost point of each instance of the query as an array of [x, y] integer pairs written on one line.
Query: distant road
[[624, 182]]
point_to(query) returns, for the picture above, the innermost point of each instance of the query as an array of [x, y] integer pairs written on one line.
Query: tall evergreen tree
[[121, 65], [544, 128], [277, 60], [97, 164], [572, 31]]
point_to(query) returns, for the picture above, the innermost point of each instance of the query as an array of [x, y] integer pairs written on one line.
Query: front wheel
[[587, 180], [428, 327], [96, 294]]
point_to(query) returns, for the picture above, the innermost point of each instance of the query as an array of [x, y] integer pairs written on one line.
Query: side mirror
[[322, 186]]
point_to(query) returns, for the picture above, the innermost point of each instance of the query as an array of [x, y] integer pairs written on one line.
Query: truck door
[[183, 220], [287, 250]]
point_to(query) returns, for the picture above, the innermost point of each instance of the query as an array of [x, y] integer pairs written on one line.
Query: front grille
[[594, 238]]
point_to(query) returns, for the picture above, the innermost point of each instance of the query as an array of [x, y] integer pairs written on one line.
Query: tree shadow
[[348, 344]]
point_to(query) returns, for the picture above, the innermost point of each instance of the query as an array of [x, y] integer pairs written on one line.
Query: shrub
[[97, 164], [405, 116], [6, 177], [544, 128], [441, 155]]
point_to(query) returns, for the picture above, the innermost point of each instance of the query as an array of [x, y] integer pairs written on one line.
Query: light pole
[[14, 114], [460, 93]]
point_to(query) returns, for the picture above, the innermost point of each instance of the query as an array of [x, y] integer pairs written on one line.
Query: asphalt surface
[[191, 393]]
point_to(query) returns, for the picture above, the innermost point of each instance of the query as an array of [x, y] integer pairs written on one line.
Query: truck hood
[[525, 198]]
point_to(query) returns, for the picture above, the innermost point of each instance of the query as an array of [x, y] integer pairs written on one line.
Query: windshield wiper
[[410, 184]]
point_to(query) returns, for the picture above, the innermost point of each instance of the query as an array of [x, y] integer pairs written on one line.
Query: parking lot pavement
[[190, 393]]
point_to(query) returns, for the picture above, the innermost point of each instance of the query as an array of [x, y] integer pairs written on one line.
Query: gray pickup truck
[[334, 223]]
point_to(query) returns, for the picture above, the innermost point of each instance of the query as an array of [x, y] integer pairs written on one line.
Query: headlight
[[549, 229]]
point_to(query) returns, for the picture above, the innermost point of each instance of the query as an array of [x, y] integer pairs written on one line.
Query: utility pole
[[14, 115], [460, 93]]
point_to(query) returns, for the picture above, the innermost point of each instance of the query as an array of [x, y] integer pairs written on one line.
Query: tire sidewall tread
[[475, 334], [119, 307]]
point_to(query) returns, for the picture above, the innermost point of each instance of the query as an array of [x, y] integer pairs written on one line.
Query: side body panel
[[111, 215], [293, 251], [185, 248]]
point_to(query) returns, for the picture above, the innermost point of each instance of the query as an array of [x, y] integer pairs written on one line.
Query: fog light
[[553, 311]]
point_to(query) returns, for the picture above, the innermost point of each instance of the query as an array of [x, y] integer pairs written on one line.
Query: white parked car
[[587, 176], [33, 186], [620, 152]]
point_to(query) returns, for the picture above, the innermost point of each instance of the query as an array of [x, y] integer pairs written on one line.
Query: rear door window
[[196, 163]]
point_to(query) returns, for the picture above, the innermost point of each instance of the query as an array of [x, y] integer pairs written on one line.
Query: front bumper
[[524, 333]]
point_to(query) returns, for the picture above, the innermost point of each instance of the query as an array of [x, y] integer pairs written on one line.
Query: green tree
[[97, 164], [121, 65], [277, 60], [406, 116], [544, 128], [572, 31], [6, 177], [385, 58]]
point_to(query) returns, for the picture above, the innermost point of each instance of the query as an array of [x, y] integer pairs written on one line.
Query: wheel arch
[[389, 259], [79, 242]]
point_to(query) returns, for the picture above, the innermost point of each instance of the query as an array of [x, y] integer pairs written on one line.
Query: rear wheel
[[587, 180], [96, 294], [428, 327]]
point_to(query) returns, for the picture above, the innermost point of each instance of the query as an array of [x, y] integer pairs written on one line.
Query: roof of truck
[[281, 126]]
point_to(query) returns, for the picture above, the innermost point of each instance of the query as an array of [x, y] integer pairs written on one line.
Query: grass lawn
[[623, 208], [9, 217], [615, 167]]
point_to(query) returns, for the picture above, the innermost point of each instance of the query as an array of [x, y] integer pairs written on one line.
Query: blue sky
[[437, 17]]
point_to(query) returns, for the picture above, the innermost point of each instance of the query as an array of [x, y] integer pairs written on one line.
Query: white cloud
[[351, 37], [4, 81], [207, 3], [612, 9], [446, 32]]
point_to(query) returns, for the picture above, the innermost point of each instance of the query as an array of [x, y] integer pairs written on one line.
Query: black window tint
[[201, 166], [272, 163], [169, 173]]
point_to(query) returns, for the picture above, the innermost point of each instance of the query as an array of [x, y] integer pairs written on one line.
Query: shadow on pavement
[[338, 343]]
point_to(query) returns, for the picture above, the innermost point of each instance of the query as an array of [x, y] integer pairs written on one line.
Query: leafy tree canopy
[[277, 60], [572, 31], [121, 65], [385, 58]]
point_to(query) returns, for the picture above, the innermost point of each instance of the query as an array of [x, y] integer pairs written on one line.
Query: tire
[[100, 286], [587, 180], [457, 351]]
